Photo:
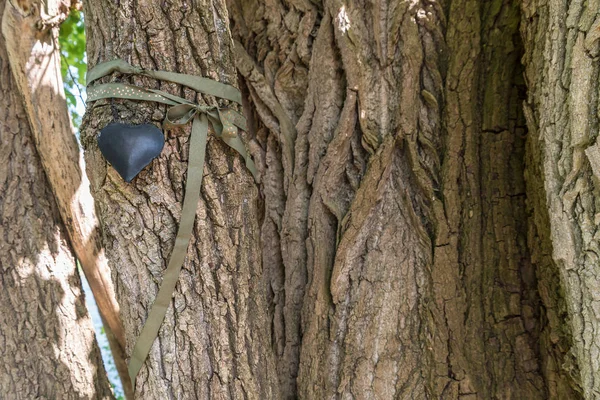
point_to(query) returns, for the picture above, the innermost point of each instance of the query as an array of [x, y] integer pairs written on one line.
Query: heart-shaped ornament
[[129, 148]]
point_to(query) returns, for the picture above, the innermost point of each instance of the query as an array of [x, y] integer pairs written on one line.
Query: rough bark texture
[[47, 344], [562, 49], [214, 342], [406, 246], [402, 257], [30, 30]]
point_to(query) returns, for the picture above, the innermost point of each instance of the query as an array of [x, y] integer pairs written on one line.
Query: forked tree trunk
[[406, 248], [47, 344], [214, 342]]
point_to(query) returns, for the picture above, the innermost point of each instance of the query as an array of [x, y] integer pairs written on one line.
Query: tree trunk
[[406, 256], [214, 342], [409, 247], [562, 74], [47, 343], [30, 31]]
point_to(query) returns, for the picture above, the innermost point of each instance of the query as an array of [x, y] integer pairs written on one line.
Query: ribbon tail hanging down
[[184, 234]]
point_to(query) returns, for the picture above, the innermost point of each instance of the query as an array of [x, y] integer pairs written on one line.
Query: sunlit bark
[[47, 343]]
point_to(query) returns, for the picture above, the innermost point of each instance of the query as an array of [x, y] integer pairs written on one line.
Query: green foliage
[[73, 61]]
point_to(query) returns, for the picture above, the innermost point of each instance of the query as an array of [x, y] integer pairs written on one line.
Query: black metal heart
[[129, 148]]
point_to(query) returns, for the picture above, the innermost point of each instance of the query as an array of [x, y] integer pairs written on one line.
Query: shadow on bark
[[30, 33], [47, 339]]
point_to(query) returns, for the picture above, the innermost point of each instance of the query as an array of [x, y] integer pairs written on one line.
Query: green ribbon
[[225, 123]]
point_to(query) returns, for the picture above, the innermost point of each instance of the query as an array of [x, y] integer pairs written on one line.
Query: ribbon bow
[[225, 123]]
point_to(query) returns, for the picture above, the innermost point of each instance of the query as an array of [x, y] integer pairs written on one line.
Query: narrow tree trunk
[[562, 74], [405, 255], [214, 342], [30, 31], [47, 344]]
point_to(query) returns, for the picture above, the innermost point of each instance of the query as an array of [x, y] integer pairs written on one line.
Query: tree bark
[[408, 247], [30, 31], [47, 343], [214, 342], [562, 71], [406, 256]]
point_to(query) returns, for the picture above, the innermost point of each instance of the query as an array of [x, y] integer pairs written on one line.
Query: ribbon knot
[[222, 121], [225, 122], [181, 114]]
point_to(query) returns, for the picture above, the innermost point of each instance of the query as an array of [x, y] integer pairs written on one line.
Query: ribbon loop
[[199, 84], [181, 114], [109, 67]]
